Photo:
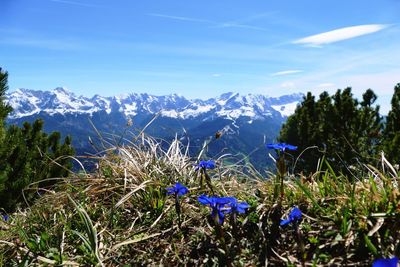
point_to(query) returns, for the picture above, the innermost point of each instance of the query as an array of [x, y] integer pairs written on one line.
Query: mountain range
[[245, 122]]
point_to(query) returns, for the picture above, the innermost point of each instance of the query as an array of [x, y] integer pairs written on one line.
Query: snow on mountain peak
[[230, 105], [62, 90], [287, 109]]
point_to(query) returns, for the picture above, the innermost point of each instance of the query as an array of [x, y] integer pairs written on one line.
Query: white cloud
[[238, 25], [179, 18], [232, 24], [285, 72], [340, 34], [217, 75]]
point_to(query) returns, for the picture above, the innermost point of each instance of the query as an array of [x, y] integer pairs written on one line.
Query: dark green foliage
[[369, 126], [5, 109], [28, 155], [345, 131], [391, 133], [300, 130]]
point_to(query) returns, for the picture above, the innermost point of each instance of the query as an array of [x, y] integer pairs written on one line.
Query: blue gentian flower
[[5, 217], [386, 262], [217, 205], [205, 164], [294, 217], [238, 207], [178, 189], [281, 146]]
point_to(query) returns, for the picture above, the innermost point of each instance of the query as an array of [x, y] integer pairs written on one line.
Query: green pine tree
[[28, 156], [369, 127], [343, 153], [391, 133], [345, 131], [5, 109], [300, 130]]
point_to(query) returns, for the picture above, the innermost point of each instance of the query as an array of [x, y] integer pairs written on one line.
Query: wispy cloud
[[67, 2], [340, 34], [232, 24], [243, 22], [238, 25], [285, 72], [180, 18], [217, 75]]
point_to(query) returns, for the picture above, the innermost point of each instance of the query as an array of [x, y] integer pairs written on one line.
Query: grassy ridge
[[121, 215]]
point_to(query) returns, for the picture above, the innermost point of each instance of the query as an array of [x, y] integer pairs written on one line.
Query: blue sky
[[201, 48]]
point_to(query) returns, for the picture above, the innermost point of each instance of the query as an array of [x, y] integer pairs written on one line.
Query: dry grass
[[121, 214]]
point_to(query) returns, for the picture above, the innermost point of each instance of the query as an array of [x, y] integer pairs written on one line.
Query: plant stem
[[300, 242], [221, 238], [281, 166], [178, 210], [208, 180]]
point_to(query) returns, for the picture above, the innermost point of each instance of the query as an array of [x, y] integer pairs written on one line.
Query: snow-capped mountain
[[246, 122], [27, 102]]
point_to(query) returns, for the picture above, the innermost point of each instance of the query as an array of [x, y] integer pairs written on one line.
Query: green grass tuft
[[120, 215]]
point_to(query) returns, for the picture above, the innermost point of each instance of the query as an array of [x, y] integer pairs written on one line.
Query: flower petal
[[290, 147], [241, 207], [386, 262], [295, 214], [285, 222], [178, 185], [205, 200], [170, 190], [272, 146], [281, 146], [226, 200], [210, 164], [182, 191]]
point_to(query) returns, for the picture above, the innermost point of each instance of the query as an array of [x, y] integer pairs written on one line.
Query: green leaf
[[370, 246], [308, 193]]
